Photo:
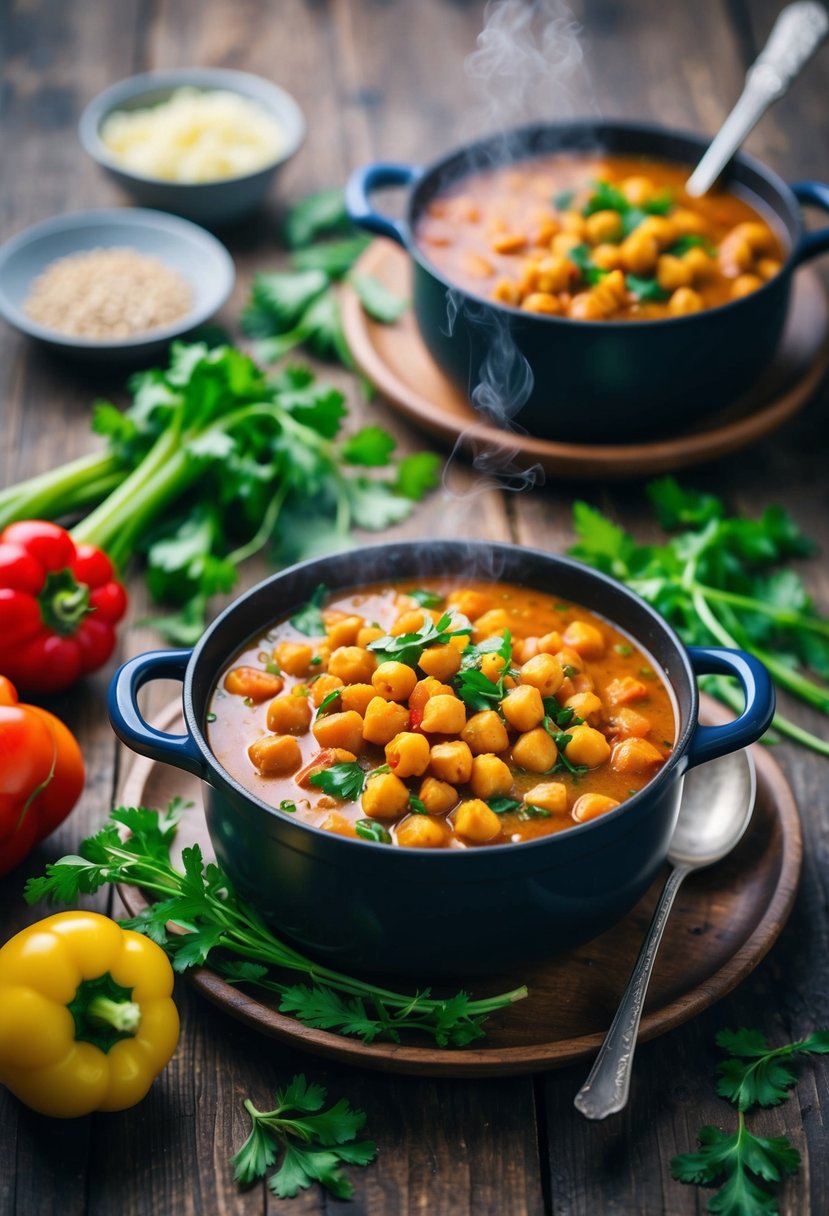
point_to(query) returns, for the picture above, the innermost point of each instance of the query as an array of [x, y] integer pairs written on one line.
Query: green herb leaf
[[333, 258], [344, 781], [309, 619], [370, 829], [315, 215], [579, 255], [758, 1074], [417, 806], [279, 299], [645, 289], [417, 474], [736, 1162], [426, 599], [370, 446], [691, 240], [326, 701], [563, 200], [380, 303], [408, 647]]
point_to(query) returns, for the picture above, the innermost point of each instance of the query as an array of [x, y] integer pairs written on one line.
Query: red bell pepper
[[41, 775], [59, 603]]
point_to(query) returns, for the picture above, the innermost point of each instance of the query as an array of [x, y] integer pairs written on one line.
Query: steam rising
[[528, 66]]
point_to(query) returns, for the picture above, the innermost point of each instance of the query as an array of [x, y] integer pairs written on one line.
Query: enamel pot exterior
[[595, 381], [358, 905]]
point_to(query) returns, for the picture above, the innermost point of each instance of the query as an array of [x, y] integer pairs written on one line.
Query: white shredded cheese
[[194, 136]]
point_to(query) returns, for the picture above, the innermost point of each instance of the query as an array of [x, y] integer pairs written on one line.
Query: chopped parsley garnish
[[273, 668], [524, 810], [561, 739], [288, 807], [326, 701], [645, 289], [471, 685], [560, 715], [408, 647], [308, 619], [579, 255], [563, 200], [426, 599], [623, 649], [606, 197], [344, 781], [690, 240], [417, 806], [370, 829]]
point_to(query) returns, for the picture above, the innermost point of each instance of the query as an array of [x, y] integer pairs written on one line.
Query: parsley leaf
[[645, 289], [370, 829], [758, 1074], [326, 701], [309, 619], [344, 781], [408, 647], [315, 215], [426, 599], [380, 303], [369, 446], [691, 240], [314, 1143], [471, 685], [736, 1161], [579, 255], [524, 810]]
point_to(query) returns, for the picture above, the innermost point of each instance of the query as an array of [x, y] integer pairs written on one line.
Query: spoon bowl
[[716, 807]]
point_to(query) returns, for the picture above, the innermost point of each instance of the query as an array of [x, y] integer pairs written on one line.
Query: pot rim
[[673, 767], [644, 129]]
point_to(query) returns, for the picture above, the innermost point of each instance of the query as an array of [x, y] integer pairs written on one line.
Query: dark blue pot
[[595, 381], [360, 905]]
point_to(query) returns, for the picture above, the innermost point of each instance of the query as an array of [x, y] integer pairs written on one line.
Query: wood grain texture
[[383, 79]]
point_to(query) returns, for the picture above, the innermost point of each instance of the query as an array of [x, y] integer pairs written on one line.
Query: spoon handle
[[606, 1089], [796, 35]]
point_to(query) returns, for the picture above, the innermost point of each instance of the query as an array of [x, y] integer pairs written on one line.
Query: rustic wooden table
[[382, 78]]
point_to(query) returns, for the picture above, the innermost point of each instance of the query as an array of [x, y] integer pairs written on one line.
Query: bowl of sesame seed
[[113, 285]]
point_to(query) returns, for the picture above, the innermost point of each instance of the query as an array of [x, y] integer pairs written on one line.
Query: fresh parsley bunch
[[740, 1163], [314, 1143], [722, 580]]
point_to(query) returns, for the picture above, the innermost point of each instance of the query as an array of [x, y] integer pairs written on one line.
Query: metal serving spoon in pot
[[717, 802], [796, 35]]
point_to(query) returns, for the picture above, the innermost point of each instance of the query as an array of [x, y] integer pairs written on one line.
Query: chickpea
[[554, 273], [253, 682], [383, 720], [549, 643], [586, 705], [589, 806], [451, 762], [352, 664], [603, 226], [444, 715], [475, 266], [587, 640], [586, 307], [413, 621], [544, 672], [476, 821], [437, 796], [673, 272], [342, 628], [542, 302], [744, 285], [637, 190], [767, 268], [639, 253], [574, 224], [492, 623], [408, 754], [506, 292], [611, 292], [385, 796], [550, 796], [422, 832], [493, 666], [322, 687], [535, 751], [469, 602], [340, 730], [684, 301], [275, 755], [357, 697], [289, 715], [700, 264], [523, 707], [660, 227], [758, 237], [491, 777], [563, 243], [441, 661], [606, 257], [294, 657], [424, 690], [485, 732], [735, 255], [587, 746], [635, 756], [394, 681], [508, 242], [369, 634], [689, 223]]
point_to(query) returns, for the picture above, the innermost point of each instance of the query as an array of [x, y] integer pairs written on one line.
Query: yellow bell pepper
[[86, 1016]]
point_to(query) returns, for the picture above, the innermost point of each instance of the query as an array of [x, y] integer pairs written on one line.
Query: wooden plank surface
[[384, 79]]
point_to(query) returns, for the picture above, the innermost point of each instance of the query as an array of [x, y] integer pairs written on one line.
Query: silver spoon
[[716, 806], [796, 35]]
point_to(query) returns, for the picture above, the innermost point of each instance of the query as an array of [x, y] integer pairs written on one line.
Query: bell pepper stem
[[120, 1015]]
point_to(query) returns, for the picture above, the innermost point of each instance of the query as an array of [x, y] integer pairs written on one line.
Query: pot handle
[[375, 177], [709, 742], [812, 194], [128, 722]]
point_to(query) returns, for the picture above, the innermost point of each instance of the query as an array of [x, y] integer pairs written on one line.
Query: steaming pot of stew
[[466, 755], [572, 251]]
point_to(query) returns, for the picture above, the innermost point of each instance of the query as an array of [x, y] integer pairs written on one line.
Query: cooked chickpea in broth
[[443, 715], [592, 239]]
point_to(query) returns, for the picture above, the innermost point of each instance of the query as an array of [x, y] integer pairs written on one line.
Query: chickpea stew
[[442, 715], [604, 238]]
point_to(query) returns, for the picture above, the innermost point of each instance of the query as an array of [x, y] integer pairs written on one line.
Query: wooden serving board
[[395, 360], [723, 923]]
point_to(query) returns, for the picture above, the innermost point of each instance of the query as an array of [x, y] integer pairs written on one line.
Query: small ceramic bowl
[[201, 260], [214, 203], [428, 912]]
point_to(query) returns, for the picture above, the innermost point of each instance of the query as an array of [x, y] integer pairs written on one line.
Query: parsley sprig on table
[[739, 1162], [314, 1143], [216, 926], [722, 580]]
